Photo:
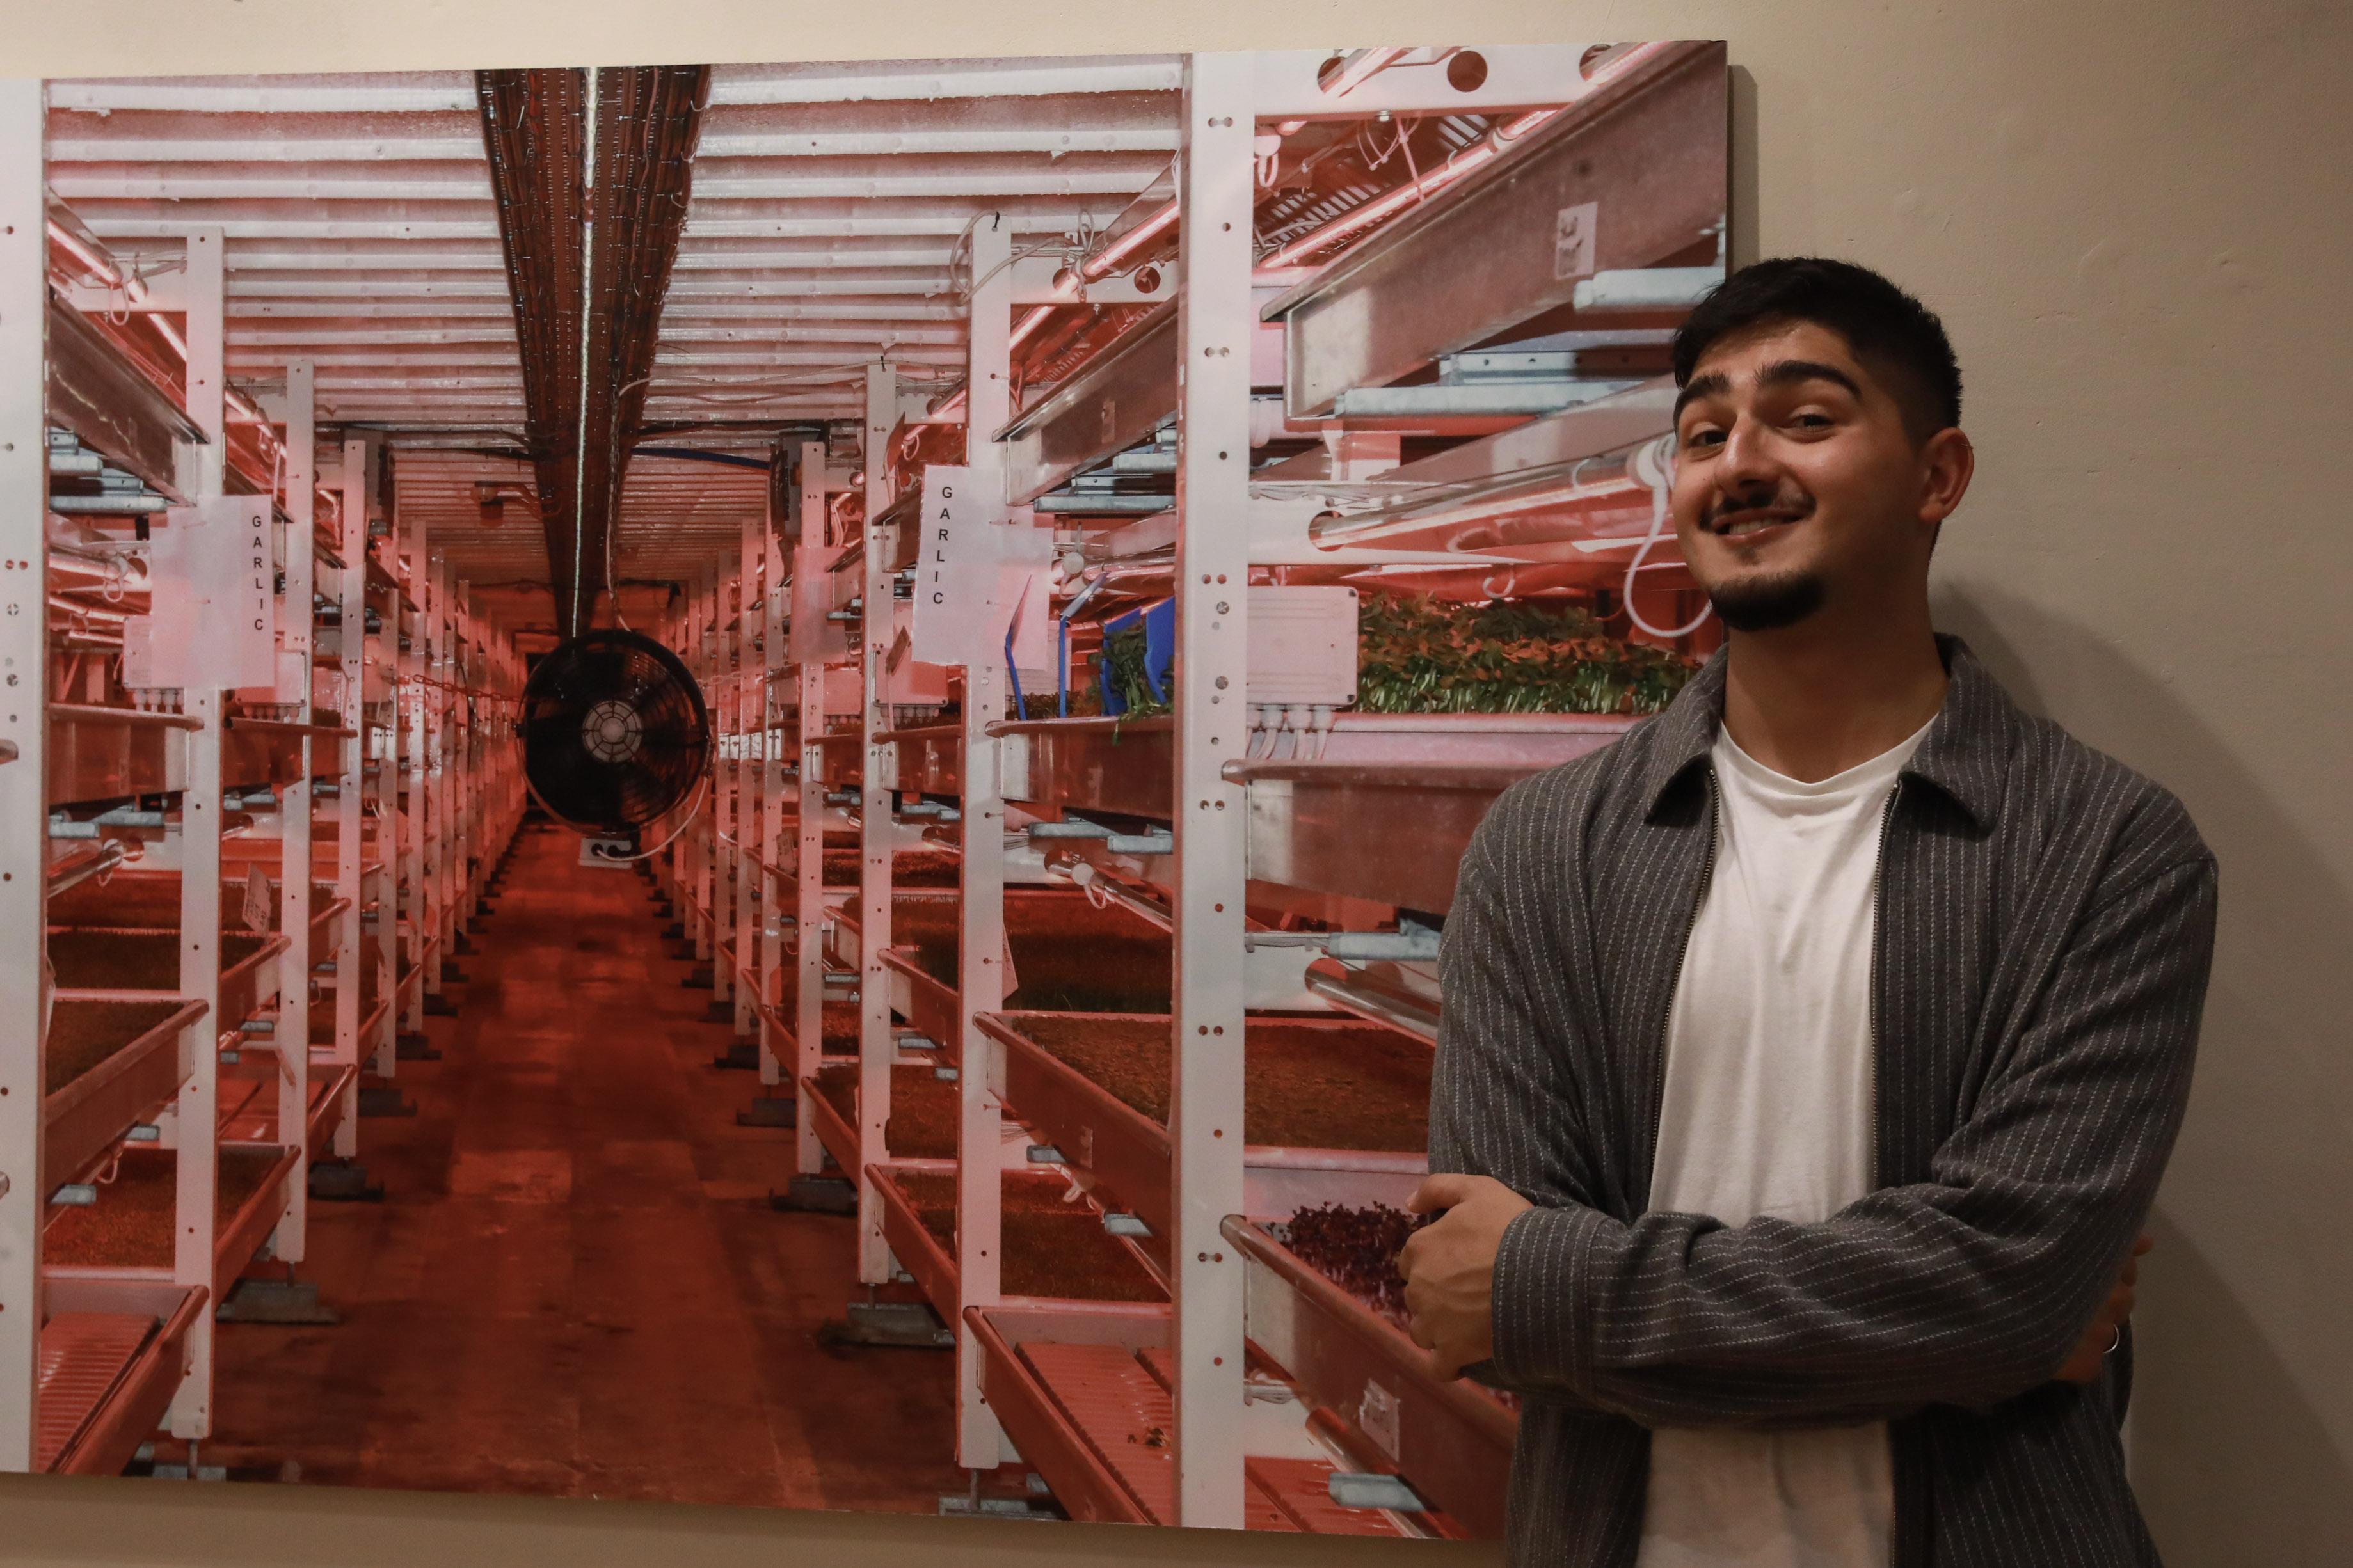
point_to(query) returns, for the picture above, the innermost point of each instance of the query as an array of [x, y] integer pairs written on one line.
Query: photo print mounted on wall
[[880, 670]]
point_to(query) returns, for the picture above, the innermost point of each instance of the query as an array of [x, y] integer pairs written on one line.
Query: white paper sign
[[212, 625], [978, 576], [256, 900]]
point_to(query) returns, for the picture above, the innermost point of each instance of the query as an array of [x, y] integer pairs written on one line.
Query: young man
[[1810, 1057]]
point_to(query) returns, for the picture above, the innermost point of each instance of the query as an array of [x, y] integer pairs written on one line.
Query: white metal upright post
[[980, 1077], [750, 682], [1215, 325], [424, 801], [24, 834], [772, 914], [876, 1047], [398, 853], [729, 808], [351, 656], [808, 856], [466, 788], [450, 740], [435, 696], [292, 1032], [713, 823], [203, 699]]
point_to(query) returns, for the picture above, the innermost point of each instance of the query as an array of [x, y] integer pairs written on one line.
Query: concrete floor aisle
[[575, 1285]]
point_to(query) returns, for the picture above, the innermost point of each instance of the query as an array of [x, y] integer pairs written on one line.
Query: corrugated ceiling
[[828, 202]]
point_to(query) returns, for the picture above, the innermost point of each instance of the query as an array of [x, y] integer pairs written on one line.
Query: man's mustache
[[1787, 498]]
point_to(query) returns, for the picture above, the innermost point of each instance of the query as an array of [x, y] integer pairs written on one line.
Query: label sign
[[1572, 242], [975, 573], [213, 576], [256, 900]]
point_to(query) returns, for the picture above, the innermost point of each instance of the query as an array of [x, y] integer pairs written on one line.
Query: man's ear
[[1946, 463]]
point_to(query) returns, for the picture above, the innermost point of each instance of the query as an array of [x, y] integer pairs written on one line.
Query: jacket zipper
[[1674, 981], [1878, 896]]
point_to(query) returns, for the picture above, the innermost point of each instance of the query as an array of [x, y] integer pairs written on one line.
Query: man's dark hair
[[1896, 337]]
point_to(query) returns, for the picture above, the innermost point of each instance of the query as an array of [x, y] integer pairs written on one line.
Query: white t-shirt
[[1768, 1110]]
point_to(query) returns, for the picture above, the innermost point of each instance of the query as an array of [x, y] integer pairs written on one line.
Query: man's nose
[[1745, 463]]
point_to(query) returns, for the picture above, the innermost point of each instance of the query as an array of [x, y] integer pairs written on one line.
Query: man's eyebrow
[[1715, 383], [1781, 372], [1792, 371]]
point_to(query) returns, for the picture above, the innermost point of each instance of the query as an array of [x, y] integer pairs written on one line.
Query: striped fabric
[[2046, 923]]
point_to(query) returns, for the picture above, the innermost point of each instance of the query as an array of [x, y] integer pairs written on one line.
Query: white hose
[[1653, 465]]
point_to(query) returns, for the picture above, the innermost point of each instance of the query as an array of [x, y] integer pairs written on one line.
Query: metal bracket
[[1361, 1490]]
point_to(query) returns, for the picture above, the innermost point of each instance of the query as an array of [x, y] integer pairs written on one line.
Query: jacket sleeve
[[1966, 1289], [1503, 1103]]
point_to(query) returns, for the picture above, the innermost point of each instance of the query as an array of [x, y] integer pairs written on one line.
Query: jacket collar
[[1965, 753]]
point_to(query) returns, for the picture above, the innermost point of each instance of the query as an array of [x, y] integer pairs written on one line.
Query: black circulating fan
[[616, 736]]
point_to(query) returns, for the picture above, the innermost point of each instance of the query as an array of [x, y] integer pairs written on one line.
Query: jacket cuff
[[1542, 1317]]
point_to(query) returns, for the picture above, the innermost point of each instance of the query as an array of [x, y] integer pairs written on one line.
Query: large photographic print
[[753, 770]]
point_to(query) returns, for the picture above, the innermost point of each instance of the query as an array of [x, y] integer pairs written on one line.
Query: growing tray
[[101, 753], [113, 1355], [1068, 956], [257, 751], [111, 1062], [927, 761], [840, 758], [925, 868], [1053, 1247], [94, 960], [1390, 833], [781, 1008], [1452, 1441], [128, 1232], [1126, 767], [150, 900], [372, 1003], [1086, 1421], [1337, 1110], [248, 1110], [1083, 1392], [924, 1112]]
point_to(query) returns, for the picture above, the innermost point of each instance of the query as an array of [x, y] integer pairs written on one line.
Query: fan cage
[[616, 733]]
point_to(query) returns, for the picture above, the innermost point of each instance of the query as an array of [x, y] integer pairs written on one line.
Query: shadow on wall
[[2230, 1426]]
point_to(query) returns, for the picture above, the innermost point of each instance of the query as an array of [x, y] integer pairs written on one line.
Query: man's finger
[[1441, 1192], [2142, 1243]]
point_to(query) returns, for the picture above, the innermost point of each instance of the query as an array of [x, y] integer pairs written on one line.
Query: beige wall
[[2136, 219]]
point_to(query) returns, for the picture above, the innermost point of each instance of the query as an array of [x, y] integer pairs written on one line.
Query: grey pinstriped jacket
[[2046, 921]]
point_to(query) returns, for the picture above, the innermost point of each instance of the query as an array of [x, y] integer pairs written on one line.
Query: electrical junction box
[[1303, 646]]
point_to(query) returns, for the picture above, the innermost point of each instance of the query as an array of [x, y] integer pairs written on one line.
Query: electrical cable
[[1652, 465], [588, 306]]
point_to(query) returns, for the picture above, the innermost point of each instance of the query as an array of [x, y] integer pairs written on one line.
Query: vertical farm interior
[[1114, 525]]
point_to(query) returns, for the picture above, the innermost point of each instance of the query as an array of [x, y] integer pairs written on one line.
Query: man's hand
[[2083, 1365], [1448, 1267]]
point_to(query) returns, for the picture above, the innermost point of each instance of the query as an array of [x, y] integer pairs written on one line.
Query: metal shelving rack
[[160, 818], [1256, 803]]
